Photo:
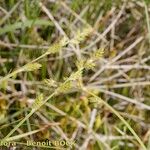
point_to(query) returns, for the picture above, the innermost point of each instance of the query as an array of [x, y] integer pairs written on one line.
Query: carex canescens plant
[[73, 81]]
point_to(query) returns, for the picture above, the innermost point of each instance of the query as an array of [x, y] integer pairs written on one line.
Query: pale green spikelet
[[31, 67], [64, 87], [85, 64], [81, 35], [38, 102], [98, 53], [51, 82], [89, 64], [64, 41], [80, 63], [93, 100], [76, 75], [56, 47], [27, 67]]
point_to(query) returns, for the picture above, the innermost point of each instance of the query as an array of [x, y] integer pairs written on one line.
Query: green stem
[[27, 117], [120, 117]]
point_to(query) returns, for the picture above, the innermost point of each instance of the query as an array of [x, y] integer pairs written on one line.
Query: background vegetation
[[75, 70]]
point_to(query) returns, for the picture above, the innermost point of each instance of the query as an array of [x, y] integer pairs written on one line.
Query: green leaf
[[21, 136], [22, 25]]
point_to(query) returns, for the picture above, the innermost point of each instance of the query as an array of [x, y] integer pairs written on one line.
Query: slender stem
[[27, 117], [120, 117], [9, 75]]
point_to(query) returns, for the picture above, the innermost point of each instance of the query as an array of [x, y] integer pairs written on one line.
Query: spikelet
[[89, 64], [27, 67], [64, 87], [76, 75], [38, 102], [81, 35], [93, 100], [98, 54], [31, 67], [50, 82], [64, 41], [56, 47], [80, 63]]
